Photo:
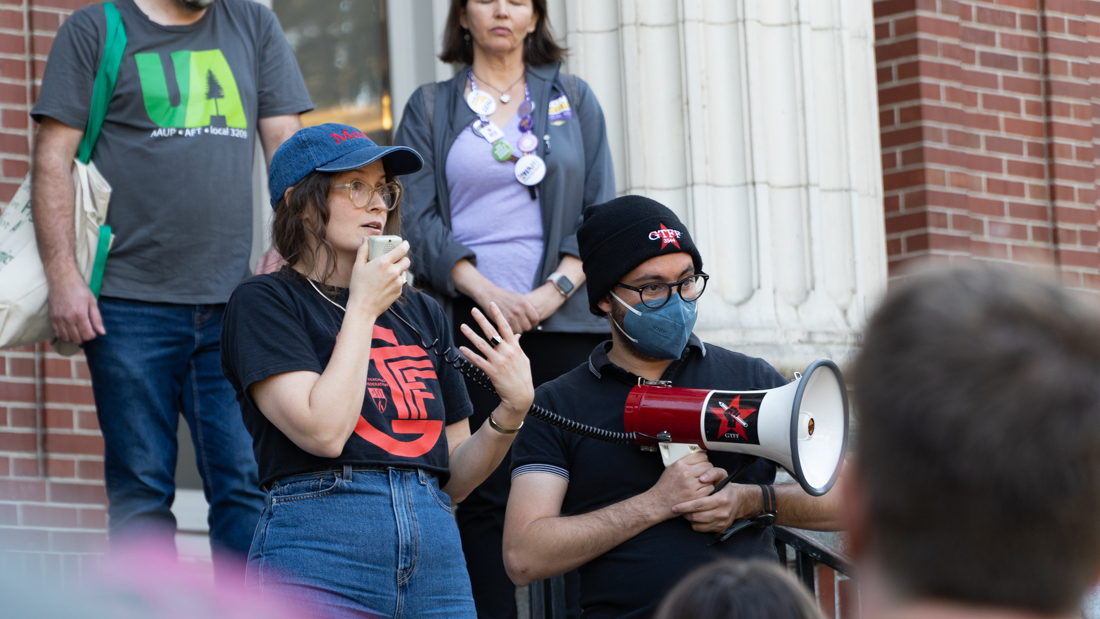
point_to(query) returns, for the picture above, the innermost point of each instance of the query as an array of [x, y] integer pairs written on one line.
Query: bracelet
[[499, 428]]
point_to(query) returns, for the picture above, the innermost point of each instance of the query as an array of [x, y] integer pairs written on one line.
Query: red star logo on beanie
[[666, 236]]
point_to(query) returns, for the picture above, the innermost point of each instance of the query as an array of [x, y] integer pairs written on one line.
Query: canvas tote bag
[[24, 313]]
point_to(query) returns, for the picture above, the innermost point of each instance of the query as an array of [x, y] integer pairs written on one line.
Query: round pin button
[[527, 123], [526, 107], [481, 103], [530, 169], [527, 142], [501, 151]]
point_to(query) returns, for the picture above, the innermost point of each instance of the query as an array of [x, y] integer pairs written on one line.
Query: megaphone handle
[[759, 521], [739, 524], [671, 452]]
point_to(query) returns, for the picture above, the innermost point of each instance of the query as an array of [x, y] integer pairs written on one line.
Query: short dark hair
[[539, 48], [978, 394], [733, 589]]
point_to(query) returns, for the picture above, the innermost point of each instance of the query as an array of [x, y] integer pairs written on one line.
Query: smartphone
[[378, 246]]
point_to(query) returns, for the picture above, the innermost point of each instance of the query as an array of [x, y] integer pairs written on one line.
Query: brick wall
[[987, 109], [52, 501]]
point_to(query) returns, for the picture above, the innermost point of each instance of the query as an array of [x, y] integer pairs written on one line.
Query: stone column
[[756, 121]]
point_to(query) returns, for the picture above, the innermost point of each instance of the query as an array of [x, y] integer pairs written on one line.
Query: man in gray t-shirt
[[199, 80]]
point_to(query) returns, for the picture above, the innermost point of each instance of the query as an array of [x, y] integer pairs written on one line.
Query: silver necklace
[[504, 96], [325, 296]]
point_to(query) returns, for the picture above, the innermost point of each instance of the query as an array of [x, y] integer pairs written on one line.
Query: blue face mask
[[661, 333]]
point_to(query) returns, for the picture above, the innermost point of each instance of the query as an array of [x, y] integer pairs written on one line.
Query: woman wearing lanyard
[[514, 150], [360, 434]]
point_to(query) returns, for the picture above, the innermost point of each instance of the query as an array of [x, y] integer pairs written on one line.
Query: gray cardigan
[[579, 173]]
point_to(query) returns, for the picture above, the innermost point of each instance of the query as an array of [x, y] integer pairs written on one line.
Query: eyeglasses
[[362, 194], [655, 295]]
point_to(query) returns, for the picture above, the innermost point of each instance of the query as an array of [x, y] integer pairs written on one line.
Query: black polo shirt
[[630, 579]]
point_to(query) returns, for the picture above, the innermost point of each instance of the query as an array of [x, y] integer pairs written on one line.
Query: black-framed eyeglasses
[[655, 295], [361, 194]]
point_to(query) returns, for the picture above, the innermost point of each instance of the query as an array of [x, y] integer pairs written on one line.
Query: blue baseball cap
[[332, 147]]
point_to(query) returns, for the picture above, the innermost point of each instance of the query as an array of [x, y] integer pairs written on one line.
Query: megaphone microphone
[[802, 426]]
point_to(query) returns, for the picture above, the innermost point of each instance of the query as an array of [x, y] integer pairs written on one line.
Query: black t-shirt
[[630, 579], [279, 323]]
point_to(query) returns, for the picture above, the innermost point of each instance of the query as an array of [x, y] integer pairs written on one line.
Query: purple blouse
[[492, 213]]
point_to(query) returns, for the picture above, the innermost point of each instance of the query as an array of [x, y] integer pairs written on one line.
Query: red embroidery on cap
[[666, 236], [347, 135]]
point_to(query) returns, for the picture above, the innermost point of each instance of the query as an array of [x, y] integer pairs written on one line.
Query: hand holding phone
[[381, 245]]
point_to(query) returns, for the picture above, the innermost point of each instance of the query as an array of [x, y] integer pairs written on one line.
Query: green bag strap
[[100, 259], [105, 80]]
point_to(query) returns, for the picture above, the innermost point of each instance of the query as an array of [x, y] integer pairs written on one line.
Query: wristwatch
[[562, 283]]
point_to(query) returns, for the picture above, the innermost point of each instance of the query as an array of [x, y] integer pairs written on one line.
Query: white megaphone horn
[[802, 426]]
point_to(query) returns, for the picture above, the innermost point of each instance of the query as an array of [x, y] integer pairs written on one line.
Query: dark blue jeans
[[158, 361]]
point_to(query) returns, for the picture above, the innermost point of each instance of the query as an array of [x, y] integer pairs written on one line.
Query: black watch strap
[[769, 498]]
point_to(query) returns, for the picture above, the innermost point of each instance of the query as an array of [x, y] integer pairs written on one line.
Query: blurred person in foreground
[[733, 589], [360, 434], [494, 215], [633, 526], [977, 484], [141, 579]]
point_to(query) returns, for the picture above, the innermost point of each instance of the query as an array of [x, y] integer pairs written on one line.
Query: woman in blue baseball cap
[[360, 434]]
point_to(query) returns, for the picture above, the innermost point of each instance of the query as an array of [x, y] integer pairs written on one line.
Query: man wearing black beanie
[[632, 526]]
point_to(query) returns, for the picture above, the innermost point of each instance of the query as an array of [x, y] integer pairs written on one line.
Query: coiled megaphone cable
[[451, 357]]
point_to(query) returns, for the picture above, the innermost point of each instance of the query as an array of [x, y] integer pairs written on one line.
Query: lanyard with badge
[[530, 168]]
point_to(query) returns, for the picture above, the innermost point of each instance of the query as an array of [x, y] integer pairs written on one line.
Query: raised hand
[[504, 363]]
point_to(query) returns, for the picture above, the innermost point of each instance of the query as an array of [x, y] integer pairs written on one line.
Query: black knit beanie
[[618, 235]]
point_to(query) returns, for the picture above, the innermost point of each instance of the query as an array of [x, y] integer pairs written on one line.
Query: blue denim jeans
[[362, 543], [156, 362]]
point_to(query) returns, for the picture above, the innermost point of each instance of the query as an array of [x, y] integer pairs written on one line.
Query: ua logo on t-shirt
[[403, 370], [208, 95]]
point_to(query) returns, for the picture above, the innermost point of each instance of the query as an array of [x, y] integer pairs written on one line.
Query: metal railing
[[547, 597], [825, 571], [807, 551]]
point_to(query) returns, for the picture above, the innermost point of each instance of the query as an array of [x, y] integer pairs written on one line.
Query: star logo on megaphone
[[732, 417]]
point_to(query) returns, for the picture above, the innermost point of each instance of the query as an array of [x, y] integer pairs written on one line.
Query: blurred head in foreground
[[978, 471], [732, 589]]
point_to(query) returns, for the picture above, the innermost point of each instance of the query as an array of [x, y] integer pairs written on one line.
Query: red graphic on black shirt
[[733, 420], [403, 370]]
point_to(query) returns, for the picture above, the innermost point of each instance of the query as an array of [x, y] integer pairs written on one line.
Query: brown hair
[[733, 589], [301, 217], [539, 47], [978, 391]]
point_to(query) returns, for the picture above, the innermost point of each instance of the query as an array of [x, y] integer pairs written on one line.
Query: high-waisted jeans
[[362, 543]]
